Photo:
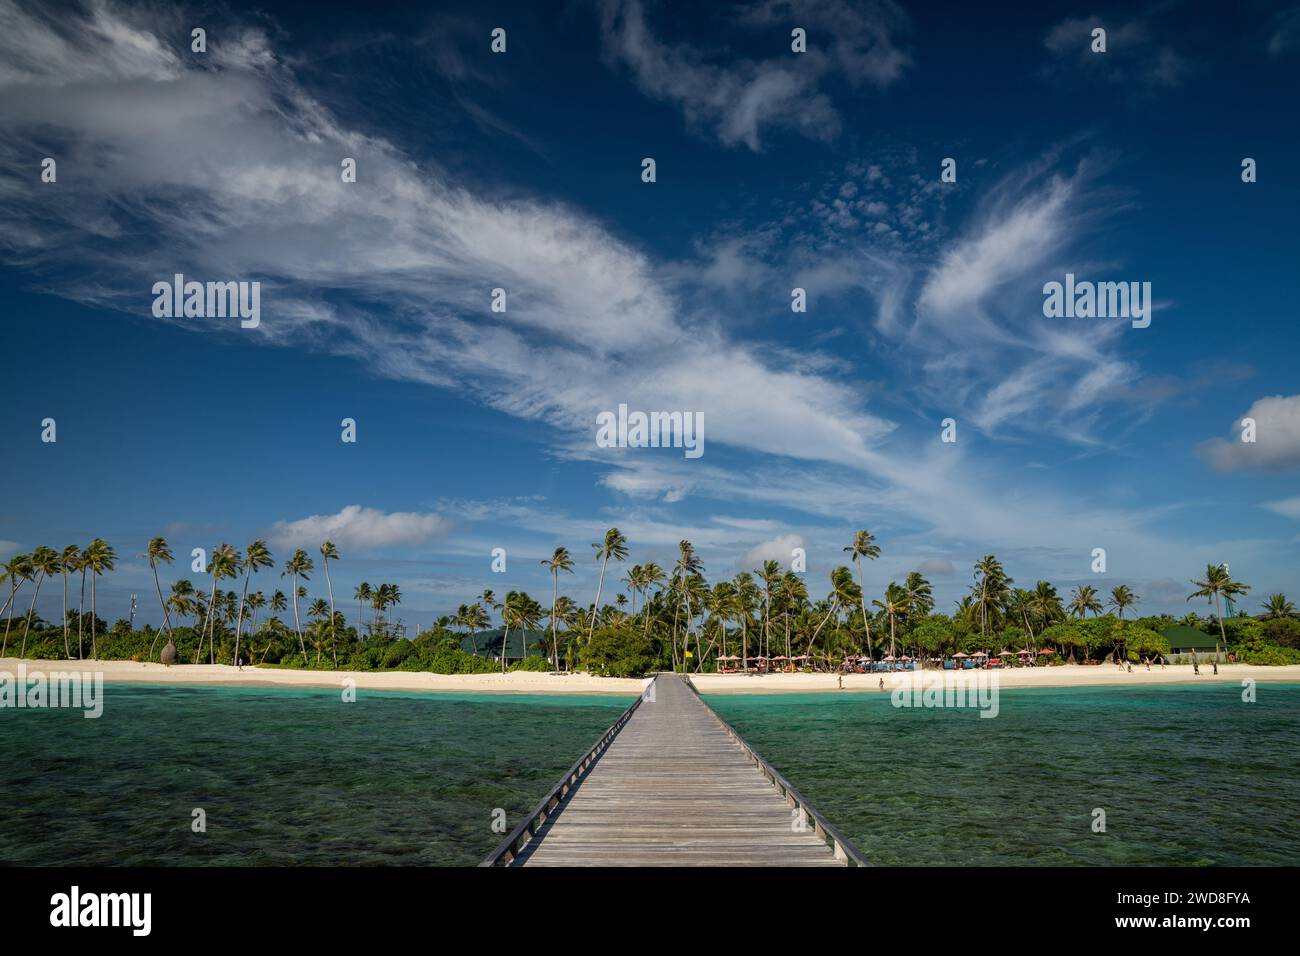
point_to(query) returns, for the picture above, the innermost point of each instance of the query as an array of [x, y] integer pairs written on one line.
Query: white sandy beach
[[528, 682]]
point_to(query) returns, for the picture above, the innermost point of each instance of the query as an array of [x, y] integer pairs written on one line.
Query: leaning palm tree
[[844, 592], [1277, 605], [298, 566], [257, 557], [614, 545], [651, 576], [992, 588], [557, 562], [158, 553], [99, 557], [328, 551], [1084, 600], [1218, 584], [69, 560], [16, 570], [864, 546], [45, 562]]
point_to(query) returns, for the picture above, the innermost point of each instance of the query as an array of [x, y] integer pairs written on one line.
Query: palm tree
[[1218, 584], [16, 570], [474, 618], [68, 561], [1084, 600], [522, 612], [1045, 605], [225, 564], [1122, 597], [769, 574], [328, 551], [45, 561], [257, 557], [157, 552], [256, 601], [278, 603], [362, 596], [99, 557], [920, 596], [894, 605], [558, 561], [298, 566], [745, 601], [651, 576], [318, 610], [864, 546], [613, 546], [794, 594], [993, 587], [842, 594], [1277, 605]]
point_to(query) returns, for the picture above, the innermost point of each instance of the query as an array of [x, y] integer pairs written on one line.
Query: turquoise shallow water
[[1187, 775], [285, 776]]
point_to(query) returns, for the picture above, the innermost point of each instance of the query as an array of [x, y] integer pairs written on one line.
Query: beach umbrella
[[960, 654], [980, 654], [1004, 653], [1045, 651], [889, 657]]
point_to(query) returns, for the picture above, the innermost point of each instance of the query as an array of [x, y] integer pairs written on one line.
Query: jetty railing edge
[[843, 847], [509, 848]]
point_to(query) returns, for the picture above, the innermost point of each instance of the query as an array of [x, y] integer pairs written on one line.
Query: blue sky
[[774, 170]]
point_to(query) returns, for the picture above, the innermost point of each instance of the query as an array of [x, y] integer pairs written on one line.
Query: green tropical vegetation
[[674, 620]]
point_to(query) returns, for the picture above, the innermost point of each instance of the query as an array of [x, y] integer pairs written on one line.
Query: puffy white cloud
[[778, 549], [359, 529], [1277, 438]]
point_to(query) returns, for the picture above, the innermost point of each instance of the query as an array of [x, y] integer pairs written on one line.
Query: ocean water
[[1186, 775], [284, 776]]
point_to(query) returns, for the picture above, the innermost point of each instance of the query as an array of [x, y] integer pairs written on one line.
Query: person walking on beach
[[882, 683], [1216, 668], [1196, 667]]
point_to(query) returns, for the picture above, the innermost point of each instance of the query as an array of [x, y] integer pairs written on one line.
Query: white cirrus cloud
[[360, 529], [736, 98], [1277, 438], [1286, 507]]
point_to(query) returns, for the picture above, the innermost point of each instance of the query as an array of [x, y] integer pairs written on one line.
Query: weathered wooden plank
[[674, 788]]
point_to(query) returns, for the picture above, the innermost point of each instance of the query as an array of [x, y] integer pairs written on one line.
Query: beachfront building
[[488, 644], [1184, 640]]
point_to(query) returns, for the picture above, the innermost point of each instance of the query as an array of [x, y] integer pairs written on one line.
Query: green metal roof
[[489, 643], [1180, 636]]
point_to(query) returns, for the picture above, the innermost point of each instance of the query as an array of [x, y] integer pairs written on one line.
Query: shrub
[[618, 652], [536, 664]]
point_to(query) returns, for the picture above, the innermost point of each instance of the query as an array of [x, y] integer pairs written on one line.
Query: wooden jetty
[[672, 784]]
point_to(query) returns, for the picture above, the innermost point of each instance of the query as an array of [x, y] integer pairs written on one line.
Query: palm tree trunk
[[505, 645], [13, 593], [813, 640], [239, 618], [862, 594], [66, 648], [167, 619], [334, 648], [94, 613], [81, 616], [555, 596], [297, 626], [30, 611], [595, 608]]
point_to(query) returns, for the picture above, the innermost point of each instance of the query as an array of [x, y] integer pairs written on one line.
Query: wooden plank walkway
[[675, 787]]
